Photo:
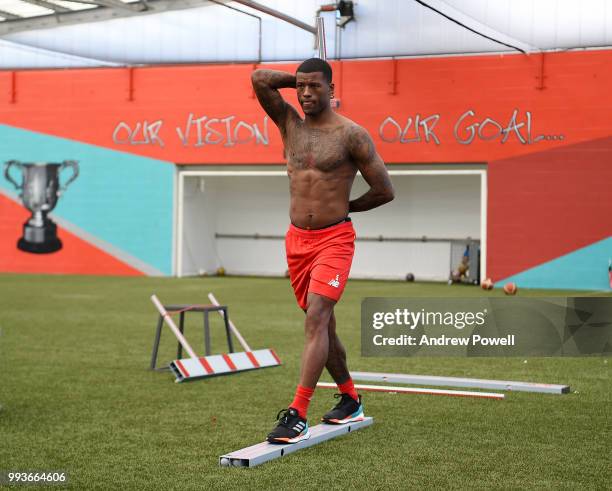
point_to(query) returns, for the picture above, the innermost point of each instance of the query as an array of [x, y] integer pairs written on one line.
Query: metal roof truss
[[26, 15]]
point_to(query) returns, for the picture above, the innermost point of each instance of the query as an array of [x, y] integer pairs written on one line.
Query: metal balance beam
[[264, 452]]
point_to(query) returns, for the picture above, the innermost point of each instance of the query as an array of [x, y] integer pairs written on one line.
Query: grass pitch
[[76, 396]]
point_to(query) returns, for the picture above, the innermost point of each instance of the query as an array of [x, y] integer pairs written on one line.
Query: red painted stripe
[[229, 362], [206, 365], [253, 359], [275, 357], [182, 368], [76, 257]]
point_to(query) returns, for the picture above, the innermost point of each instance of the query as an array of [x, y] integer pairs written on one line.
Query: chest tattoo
[[317, 149]]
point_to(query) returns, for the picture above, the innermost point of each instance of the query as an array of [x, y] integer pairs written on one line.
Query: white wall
[[433, 206], [199, 248], [250, 205]]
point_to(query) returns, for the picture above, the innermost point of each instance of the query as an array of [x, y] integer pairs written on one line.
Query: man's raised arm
[[266, 84], [372, 169]]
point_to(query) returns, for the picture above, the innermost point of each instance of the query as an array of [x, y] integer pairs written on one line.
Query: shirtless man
[[323, 152]]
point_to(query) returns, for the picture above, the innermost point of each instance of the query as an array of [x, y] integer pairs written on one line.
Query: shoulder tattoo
[[361, 144]]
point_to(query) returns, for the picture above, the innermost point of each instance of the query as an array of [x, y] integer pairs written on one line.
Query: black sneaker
[[346, 411], [291, 428]]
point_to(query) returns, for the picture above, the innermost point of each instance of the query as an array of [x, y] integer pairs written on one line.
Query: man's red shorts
[[319, 260]]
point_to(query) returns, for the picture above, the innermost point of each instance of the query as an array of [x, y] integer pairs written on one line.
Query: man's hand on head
[[266, 84]]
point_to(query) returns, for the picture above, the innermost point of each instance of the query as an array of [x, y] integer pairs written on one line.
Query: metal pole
[[160, 323], [278, 15], [321, 38], [234, 329], [172, 325], [249, 14]]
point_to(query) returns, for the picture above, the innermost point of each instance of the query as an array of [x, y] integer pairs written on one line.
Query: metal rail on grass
[[264, 452], [418, 390], [475, 383]]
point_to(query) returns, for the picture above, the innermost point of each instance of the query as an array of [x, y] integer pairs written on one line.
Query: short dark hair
[[316, 65]]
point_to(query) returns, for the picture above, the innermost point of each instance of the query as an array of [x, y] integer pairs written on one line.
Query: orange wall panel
[[566, 94], [540, 122]]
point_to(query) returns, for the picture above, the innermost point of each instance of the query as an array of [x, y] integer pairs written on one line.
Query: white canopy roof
[[194, 31]]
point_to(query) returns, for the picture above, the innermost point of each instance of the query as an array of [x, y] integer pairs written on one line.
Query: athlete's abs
[[320, 176]]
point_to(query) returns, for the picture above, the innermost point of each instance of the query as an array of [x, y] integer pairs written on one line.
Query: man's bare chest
[[325, 150]]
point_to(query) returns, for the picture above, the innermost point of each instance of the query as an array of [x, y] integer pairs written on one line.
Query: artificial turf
[[76, 395]]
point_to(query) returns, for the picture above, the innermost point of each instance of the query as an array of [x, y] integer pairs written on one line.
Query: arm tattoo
[[361, 146], [373, 171], [266, 84], [274, 79]]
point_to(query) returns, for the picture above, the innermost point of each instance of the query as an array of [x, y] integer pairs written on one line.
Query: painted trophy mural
[[40, 190]]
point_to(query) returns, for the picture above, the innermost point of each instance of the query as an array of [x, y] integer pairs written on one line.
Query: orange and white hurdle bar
[[417, 390], [207, 366], [197, 367]]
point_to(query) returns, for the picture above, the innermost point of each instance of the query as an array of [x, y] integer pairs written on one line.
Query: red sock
[[348, 388], [301, 400]]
